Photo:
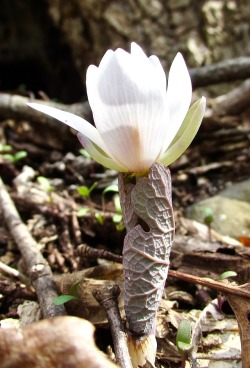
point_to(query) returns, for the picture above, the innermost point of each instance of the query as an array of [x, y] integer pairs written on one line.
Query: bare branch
[[240, 306], [224, 71], [108, 298], [38, 268], [88, 252], [15, 106], [233, 102]]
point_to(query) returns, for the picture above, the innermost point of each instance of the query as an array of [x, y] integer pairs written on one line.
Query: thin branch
[[9, 270], [108, 299], [37, 267], [224, 71], [89, 252], [15, 106], [217, 285], [233, 102]]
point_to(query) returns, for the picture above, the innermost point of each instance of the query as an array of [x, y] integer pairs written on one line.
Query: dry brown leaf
[[60, 342]]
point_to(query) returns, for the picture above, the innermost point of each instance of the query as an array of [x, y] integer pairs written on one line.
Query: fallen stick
[[234, 102], [108, 299], [37, 267], [220, 286], [225, 71], [15, 106]]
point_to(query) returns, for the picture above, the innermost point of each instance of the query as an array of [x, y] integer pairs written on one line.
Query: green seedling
[[84, 191], [117, 218], [227, 274], [183, 340], [84, 153], [110, 188], [83, 211], [5, 148], [61, 299], [208, 216], [73, 294], [15, 157], [208, 219], [99, 218], [45, 184]]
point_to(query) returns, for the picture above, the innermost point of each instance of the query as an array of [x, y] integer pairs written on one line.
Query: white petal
[[134, 133], [93, 74], [74, 121], [130, 108], [91, 83], [159, 69], [186, 133], [179, 95], [98, 156], [138, 54]]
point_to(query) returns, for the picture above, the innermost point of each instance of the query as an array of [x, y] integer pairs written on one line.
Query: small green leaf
[[45, 183], [74, 288], [120, 226], [83, 152], [83, 191], [92, 187], [227, 274], [20, 155], [82, 212], [117, 218], [99, 218], [111, 188], [64, 299], [208, 216], [5, 147], [9, 157], [117, 204], [183, 337]]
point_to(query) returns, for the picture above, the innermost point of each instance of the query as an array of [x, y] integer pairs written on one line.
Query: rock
[[239, 191], [231, 210]]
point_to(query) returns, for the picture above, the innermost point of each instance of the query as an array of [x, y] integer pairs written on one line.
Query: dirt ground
[[45, 184]]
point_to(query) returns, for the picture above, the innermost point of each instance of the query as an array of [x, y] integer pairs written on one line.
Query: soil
[[51, 213]]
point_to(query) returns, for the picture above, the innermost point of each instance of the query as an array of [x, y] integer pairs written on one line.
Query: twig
[[108, 299], [76, 229], [88, 252], [217, 285], [200, 170], [240, 306], [15, 106], [64, 238], [233, 102], [224, 71], [16, 290], [9, 270], [38, 268]]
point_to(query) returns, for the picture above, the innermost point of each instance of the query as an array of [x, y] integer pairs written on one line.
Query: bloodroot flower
[[139, 119]]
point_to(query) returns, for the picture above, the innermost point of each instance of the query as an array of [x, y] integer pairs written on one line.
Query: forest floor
[[67, 200]]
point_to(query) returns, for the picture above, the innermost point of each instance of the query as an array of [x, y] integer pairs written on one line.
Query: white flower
[[139, 120]]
